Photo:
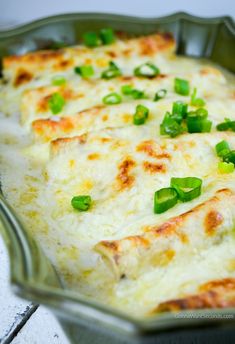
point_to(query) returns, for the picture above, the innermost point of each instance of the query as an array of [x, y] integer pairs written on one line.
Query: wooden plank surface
[[21, 322], [41, 328], [13, 311]]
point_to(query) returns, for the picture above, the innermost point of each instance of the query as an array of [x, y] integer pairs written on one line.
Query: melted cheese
[[119, 251]]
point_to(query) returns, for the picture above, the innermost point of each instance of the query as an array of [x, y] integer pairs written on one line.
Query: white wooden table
[[22, 322]]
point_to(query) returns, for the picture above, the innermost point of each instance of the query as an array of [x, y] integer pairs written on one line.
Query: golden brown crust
[[38, 57], [36, 63], [186, 231], [152, 168], [150, 148], [213, 294], [61, 142], [170, 227], [124, 178], [212, 220], [22, 77], [149, 45], [48, 129]]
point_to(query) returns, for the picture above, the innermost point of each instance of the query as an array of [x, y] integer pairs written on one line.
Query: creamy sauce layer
[[39, 183]]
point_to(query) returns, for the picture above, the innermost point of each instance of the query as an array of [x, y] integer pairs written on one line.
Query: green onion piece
[[196, 101], [180, 108], [222, 148], [137, 94], [81, 203], [112, 99], [230, 157], [141, 115], [203, 113], [112, 72], [107, 36], [170, 126], [56, 103], [182, 87], [126, 89], [85, 71], [159, 95], [197, 122], [226, 167], [224, 126], [232, 125], [179, 111], [164, 199], [177, 117], [58, 81], [187, 188], [198, 125], [91, 39], [147, 70]]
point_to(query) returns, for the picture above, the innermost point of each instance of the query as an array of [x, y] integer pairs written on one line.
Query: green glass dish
[[32, 275]]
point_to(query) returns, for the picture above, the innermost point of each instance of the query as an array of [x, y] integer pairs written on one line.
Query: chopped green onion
[[141, 115], [85, 71], [196, 101], [56, 103], [148, 70], [81, 203], [179, 111], [180, 108], [187, 188], [198, 125], [58, 81], [164, 199], [197, 122], [112, 99], [126, 89], [230, 157], [112, 72], [182, 87], [232, 125], [224, 126], [137, 94], [107, 36], [222, 148], [203, 113], [91, 39], [177, 117], [170, 126], [226, 167], [159, 95]]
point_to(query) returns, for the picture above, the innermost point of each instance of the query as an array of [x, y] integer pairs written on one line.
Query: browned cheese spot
[[150, 148], [43, 104], [212, 220], [150, 45], [111, 54], [124, 178], [214, 294], [60, 142], [153, 167], [93, 156], [63, 64], [22, 77]]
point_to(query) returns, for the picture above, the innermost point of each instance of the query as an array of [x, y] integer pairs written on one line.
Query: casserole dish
[[32, 275]]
